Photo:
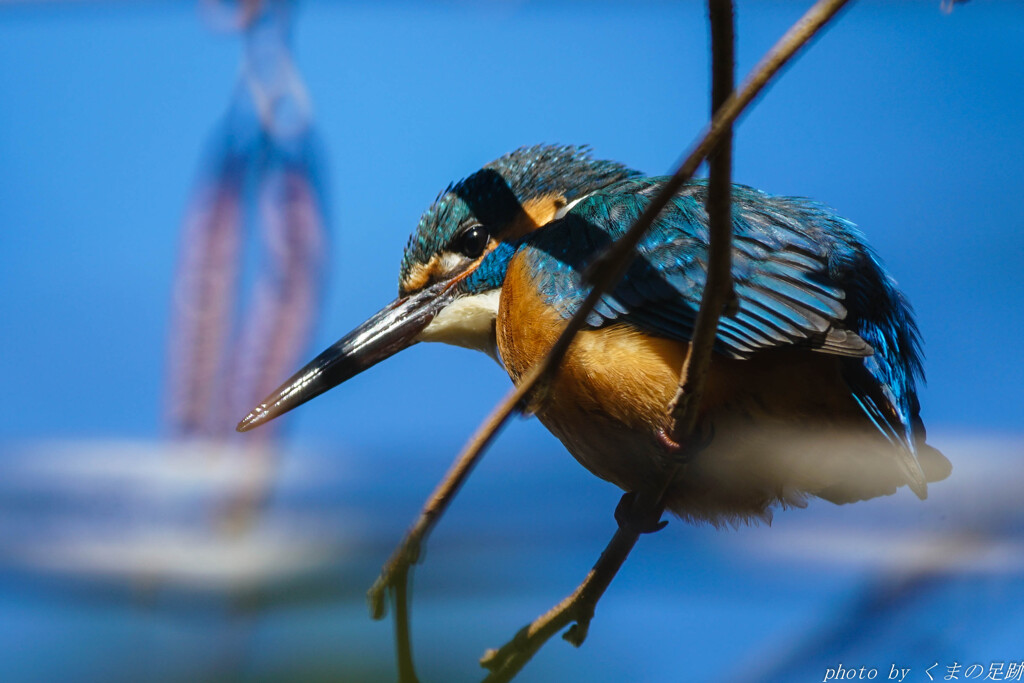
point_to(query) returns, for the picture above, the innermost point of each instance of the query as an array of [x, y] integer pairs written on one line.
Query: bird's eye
[[472, 241]]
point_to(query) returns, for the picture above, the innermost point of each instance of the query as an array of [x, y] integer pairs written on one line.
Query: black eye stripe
[[472, 241]]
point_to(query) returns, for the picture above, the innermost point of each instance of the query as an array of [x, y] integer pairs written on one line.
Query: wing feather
[[785, 292], [802, 277]]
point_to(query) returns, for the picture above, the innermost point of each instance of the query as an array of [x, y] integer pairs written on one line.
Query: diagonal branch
[[718, 291], [403, 643], [579, 607], [606, 271], [505, 662]]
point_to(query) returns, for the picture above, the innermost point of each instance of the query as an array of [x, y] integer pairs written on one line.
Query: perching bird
[[812, 386]]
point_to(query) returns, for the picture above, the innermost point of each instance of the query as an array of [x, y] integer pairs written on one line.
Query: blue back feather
[[803, 276]]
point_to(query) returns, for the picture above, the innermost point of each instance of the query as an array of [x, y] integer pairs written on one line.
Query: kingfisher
[[812, 386]]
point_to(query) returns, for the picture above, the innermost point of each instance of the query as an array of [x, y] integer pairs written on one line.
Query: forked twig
[[579, 607], [718, 292], [606, 271], [507, 661]]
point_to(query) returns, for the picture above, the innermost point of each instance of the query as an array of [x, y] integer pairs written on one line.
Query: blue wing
[[780, 266], [802, 276]]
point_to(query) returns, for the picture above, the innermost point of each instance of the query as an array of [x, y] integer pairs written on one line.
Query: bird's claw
[[668, 443], [683, 452], [640, 521]]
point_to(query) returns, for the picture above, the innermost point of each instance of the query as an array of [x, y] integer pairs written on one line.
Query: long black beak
[[393, 328]]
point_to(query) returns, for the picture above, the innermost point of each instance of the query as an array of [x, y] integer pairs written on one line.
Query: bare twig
[[579, 607], [403, 642], [602, 276], [507, 661], [408, 552], [718, 292]]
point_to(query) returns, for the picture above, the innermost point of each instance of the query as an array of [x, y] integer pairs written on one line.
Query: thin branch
[[507, 661], [408, 552], [602, 276], [718, 291], [403, 642], [579, 607]]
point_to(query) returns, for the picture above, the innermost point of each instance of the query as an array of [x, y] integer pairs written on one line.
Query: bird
[[812, 386]]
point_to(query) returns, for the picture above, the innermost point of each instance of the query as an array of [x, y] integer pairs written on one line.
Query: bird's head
[[454, 265]]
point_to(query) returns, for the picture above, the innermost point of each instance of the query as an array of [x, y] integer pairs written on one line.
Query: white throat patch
[[568, 207], [467, 322]]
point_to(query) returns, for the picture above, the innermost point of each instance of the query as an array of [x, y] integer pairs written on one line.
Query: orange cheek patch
[[536, 212], [420, 274], [542, 210]]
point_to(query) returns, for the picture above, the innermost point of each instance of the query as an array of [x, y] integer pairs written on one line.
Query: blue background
[[905, 119]]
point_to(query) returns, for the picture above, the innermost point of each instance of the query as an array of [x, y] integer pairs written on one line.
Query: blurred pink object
[[260, 178]]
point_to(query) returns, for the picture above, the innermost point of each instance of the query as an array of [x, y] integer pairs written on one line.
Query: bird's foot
[[683, 452], [668, 443], [631, 517]]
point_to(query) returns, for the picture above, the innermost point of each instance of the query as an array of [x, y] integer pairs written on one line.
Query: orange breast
[[784, 423]]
